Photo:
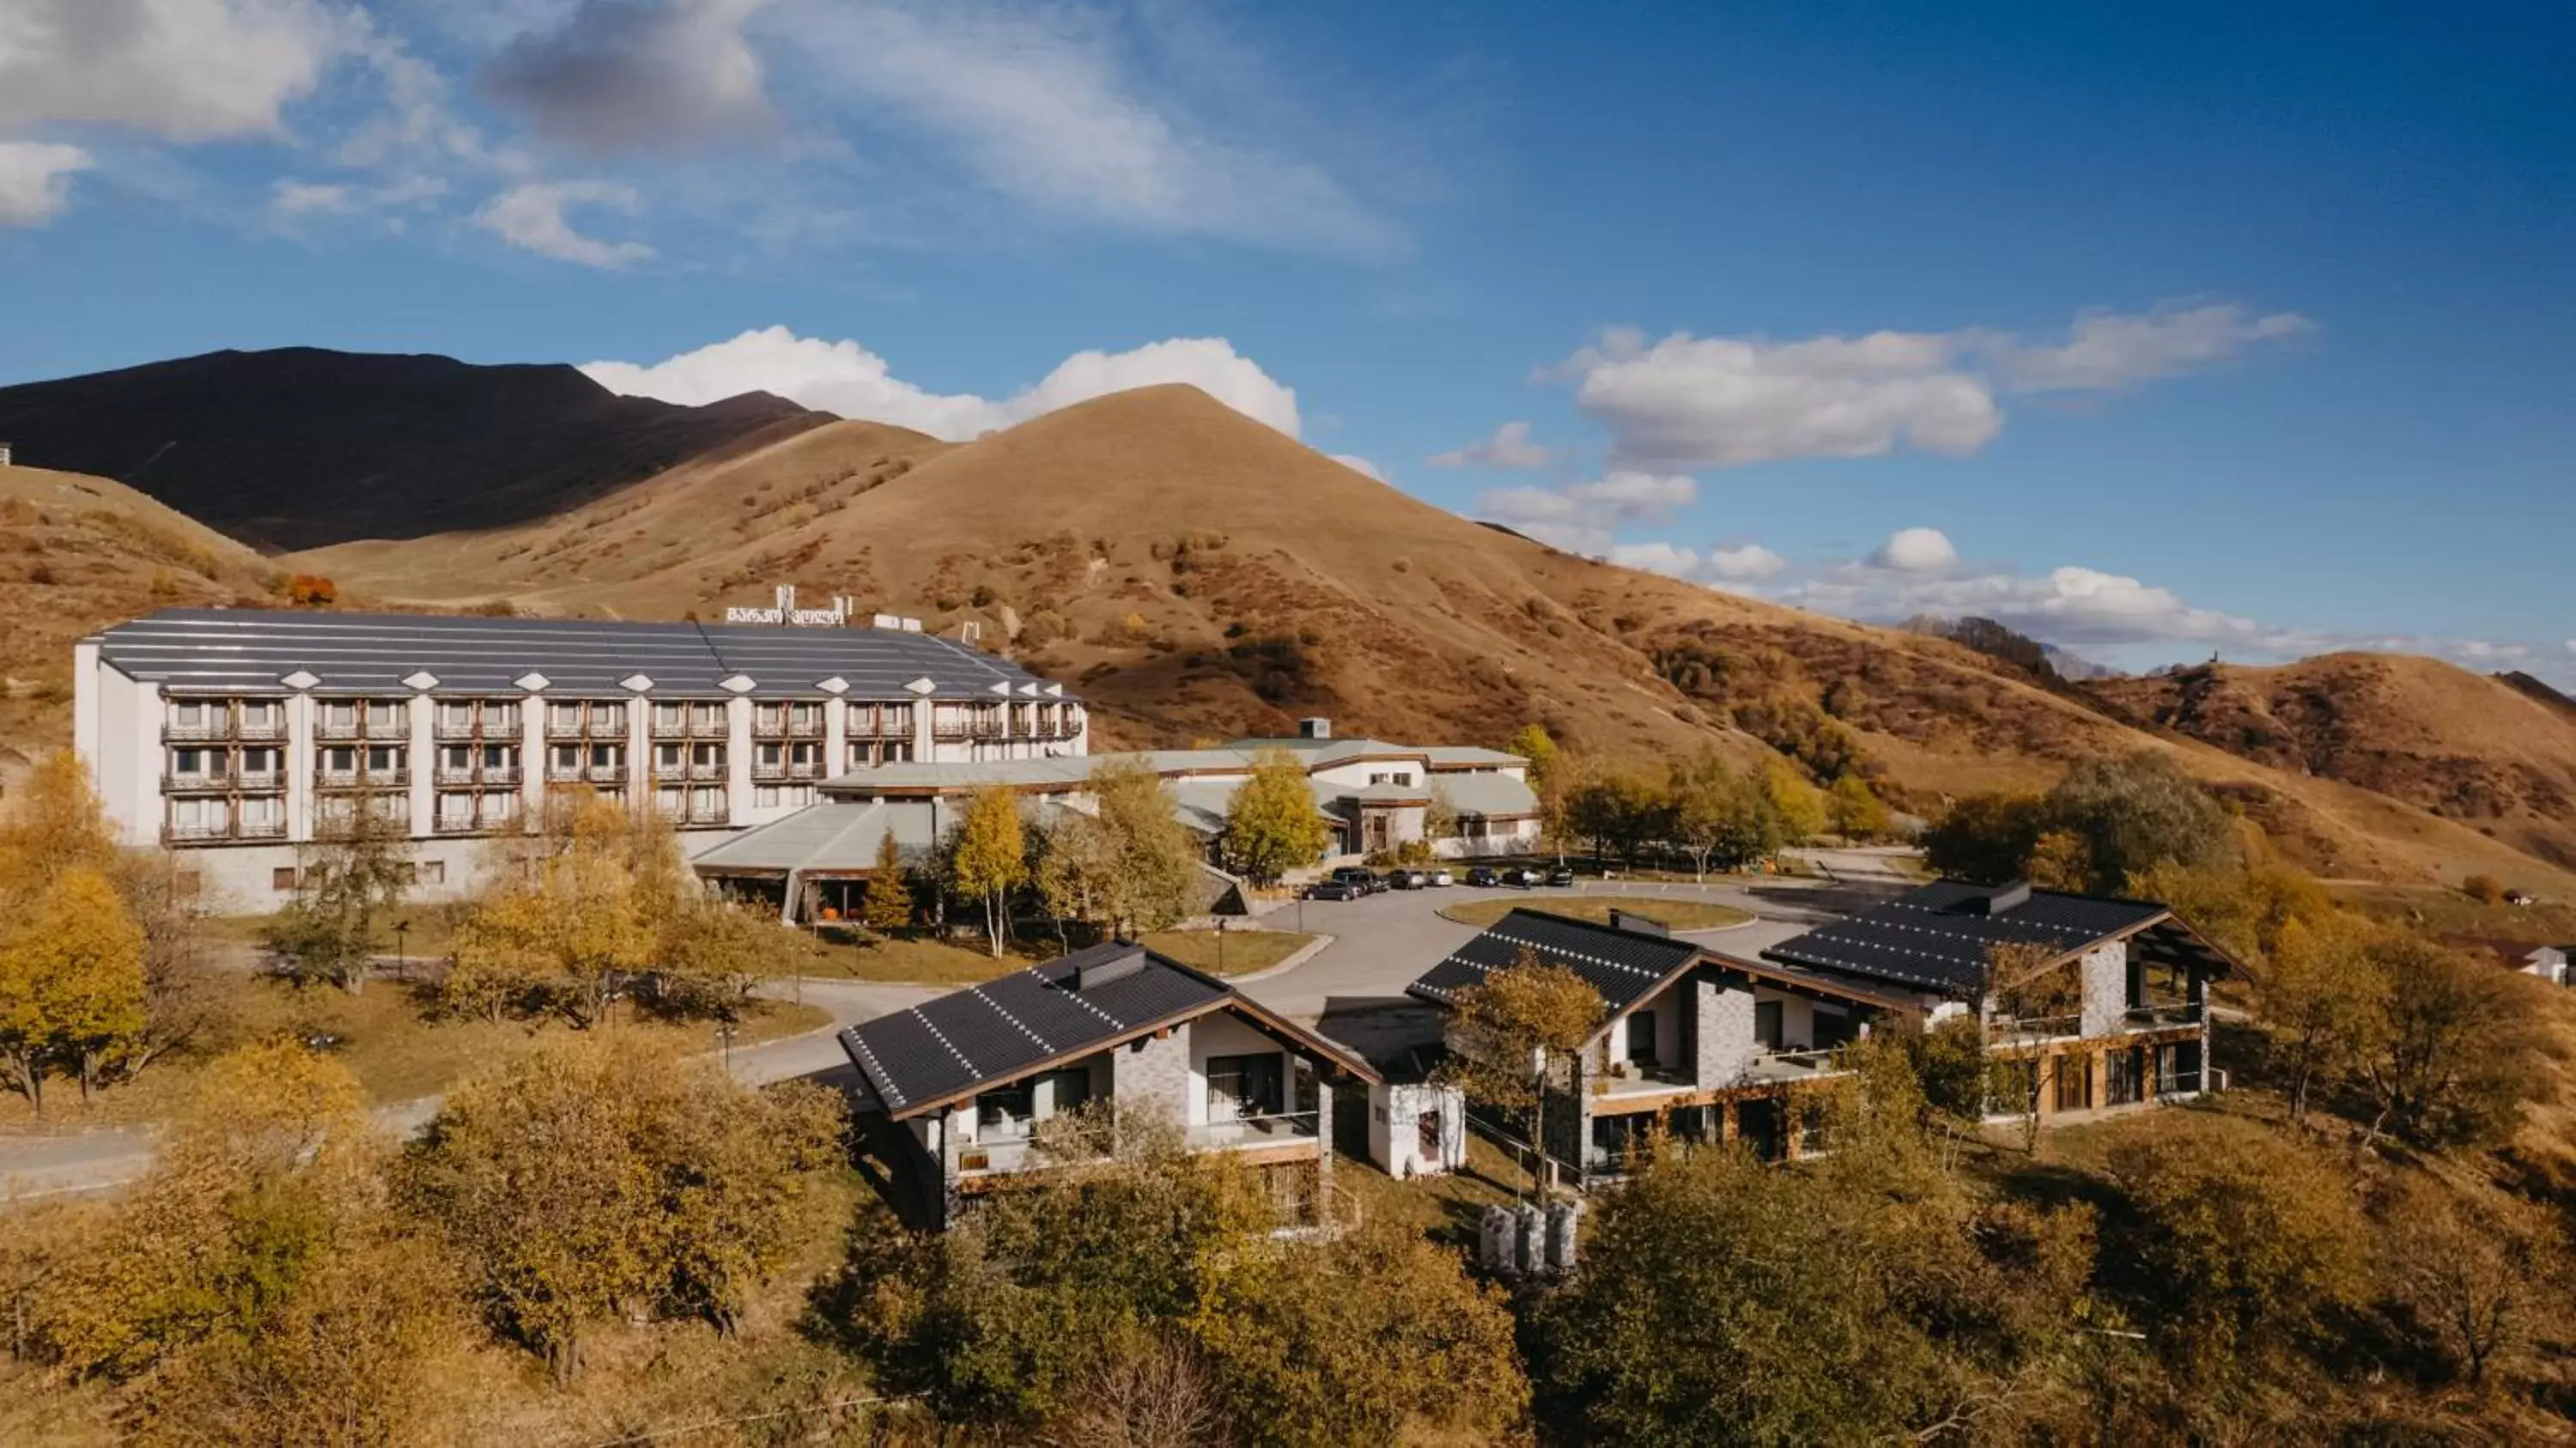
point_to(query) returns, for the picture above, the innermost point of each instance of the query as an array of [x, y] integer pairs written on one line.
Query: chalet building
[[955, 1094], [239, 737], [1709, 1046], [1372, 795]]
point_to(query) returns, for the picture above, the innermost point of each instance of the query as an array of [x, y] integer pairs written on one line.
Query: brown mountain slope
[[76, 553], [1196, 573], [299, 447], [2459, 745]]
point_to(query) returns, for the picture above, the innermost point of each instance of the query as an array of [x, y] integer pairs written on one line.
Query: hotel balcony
[[214, 781], [687, 727], [208, 732], [260, 731], [587, 774], [504, 775], [701, 770], [344, 730], [708, 814], [362, 779], [2161, 1016], [466, 731]]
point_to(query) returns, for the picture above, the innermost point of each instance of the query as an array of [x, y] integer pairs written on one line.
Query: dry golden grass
[[1240, 952]]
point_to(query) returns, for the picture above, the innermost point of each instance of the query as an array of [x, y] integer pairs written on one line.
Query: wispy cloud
[[532, 217], [1510, 449]]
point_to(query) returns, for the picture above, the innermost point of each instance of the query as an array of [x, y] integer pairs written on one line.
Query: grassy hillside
[[1195, 573], [77, 553], [2482, 751]]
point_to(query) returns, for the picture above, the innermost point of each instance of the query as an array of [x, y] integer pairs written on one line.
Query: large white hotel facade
[[240, 737]]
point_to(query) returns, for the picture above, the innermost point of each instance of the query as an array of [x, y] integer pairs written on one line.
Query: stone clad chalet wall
[[1724, 1039], [2106, 988], [1153, 1076]]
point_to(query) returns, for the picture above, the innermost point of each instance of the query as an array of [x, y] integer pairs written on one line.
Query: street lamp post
[[402, 949]]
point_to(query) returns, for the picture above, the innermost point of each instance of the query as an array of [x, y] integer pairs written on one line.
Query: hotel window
[[1400, 777], [261, 713], [765, 797], [707, 717], [805, 718], [667, 757], [338, 759], [190, 763], [670, 800], [500, 756], [607, 718], [259, 765], [263, 809], [497, 809], [898, 751], [563, 716], [805, 756], [706, 756], [769, 719], [860, 755], [566, 759], [198, 816], [455, 758], [605, 756], [668, 717], [500, 717], [456, 810], [432, 872], [383, 715], [455, 714], [339, 714], [707, 801], [189, 714], [769, 756], [384, 758]]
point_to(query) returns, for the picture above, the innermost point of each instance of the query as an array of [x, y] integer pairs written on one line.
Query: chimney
[[1315, 728], [2001, 900], [1641, 924]]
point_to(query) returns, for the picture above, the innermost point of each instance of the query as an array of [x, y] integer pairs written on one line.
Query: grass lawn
[[381, 1035], [909, 960], [1678, 914], [1242, 951]]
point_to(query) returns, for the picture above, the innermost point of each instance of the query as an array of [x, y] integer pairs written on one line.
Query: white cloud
[[185, 70], [848, 379], [1358, 464], [1622, 496], [2106, 350], [300, 198], [531, 216], [1509, 448], [1657, 557], [1688, 402], [1917, 550], [637, 75], [36, 180], [1044, 106], [1745, 563]]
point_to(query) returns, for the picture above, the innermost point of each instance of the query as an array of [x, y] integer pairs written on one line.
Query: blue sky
[[2155, 332]]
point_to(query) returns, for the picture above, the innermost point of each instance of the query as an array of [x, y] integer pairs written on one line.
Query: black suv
[[1561, 877], [1483, 876], [1332, 890], [1362, 882]]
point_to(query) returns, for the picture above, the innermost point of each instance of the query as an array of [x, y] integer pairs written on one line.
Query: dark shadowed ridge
[[302, 447]]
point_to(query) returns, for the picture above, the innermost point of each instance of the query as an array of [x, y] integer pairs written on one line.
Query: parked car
[[1440, 880], [1402, 879], [1332, 890], [1484, 877], [1360, 881], [1527, 877], [1561, 877]]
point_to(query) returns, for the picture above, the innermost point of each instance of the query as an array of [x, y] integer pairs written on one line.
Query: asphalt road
[[1353, 987]]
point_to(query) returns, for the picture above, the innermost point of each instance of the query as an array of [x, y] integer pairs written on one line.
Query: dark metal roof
[[995, 1032], [1623, 965], [254, 650], [1941, 936]]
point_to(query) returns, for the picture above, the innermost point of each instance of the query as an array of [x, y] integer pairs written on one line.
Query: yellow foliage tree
[[1799, 805], [1858, 813], [1271, 824], [71, 982], [988, 856], [583, 915]]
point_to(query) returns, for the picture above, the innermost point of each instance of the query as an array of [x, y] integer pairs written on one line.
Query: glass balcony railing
[[1249, 1131], [2161, 1015]]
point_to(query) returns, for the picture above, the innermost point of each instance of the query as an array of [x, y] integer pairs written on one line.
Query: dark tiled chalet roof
[[996, 1031], [253, 650], [1940, 937], [1621, 964]]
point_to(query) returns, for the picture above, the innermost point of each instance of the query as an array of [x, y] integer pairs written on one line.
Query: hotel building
[[238, 737]]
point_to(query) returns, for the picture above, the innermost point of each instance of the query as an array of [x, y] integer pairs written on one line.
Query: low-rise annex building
[[239, 737], [1710, 1046], [1372, 795], [956, 1095]]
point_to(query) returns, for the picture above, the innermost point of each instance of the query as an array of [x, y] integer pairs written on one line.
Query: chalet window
[[2124, 1078], [1767, 1025], [1641, 1038], [2072, 1083], [1833, 1028], [1244, 1086], [1005, 1112], [2177, 1068]]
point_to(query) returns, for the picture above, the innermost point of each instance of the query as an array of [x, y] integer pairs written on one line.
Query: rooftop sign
[[785, 612]]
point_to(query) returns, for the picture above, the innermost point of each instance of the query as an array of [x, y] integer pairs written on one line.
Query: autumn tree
[[1551, 776], [1509, 1032], [599, 1175], [583, 912], [71, 982], [186, 1004], [347, 886], [2137, 810], [1717, 815], [1985, 838], [2316, 1001], [988, 856], [1858, 814], [1618, 811], [1155, 878], [2450, 1048], [713, 954], [1272, 824], [1797, 805], [2478, 1271], [268, 1171], [2242, 1240], [887, 905]]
